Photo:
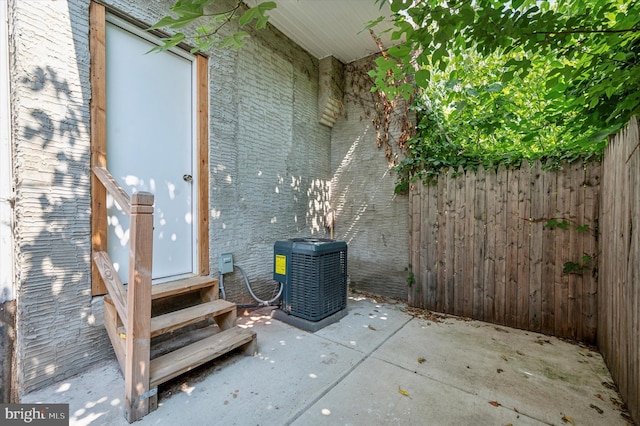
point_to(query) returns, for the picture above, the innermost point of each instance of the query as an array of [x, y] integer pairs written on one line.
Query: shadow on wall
[[295, 206], [56, 336], [318, 205], [53, 233], [370, 217]]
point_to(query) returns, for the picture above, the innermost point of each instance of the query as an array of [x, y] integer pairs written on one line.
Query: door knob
[[187, 178]]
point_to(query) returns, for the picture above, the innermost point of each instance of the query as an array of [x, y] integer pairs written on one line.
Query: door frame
[[97, 48]]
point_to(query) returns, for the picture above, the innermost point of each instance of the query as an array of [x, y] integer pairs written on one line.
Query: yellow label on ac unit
[[281, 264]]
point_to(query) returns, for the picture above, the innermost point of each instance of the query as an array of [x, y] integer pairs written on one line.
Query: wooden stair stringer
[[113, 326]]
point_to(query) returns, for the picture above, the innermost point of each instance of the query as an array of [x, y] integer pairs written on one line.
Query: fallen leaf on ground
[[568, 419], [599, 396], [425, 314], [500, 370], [403, 392], [372, 328], [598, 409], [421, 360], [615, 401], [504, 358], [627, 417], [494, 403]]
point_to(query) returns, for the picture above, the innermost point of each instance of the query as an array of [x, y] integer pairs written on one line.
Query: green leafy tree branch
[[506, 82], [211, 16]]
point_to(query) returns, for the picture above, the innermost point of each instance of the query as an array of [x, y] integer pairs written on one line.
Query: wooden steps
[[180, 361], [183, 286], [174, 320], [169, 323]]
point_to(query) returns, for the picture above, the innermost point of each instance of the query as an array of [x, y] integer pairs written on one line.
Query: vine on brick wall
[[385, 110], [389, 117]]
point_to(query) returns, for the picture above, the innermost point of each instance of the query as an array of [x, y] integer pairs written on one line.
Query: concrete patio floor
[[378, 365]]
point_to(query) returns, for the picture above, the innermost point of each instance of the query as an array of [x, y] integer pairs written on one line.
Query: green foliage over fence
[[500, 83]]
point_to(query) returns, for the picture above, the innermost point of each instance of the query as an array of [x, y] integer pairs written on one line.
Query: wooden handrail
[[133, 305], [119, 195]]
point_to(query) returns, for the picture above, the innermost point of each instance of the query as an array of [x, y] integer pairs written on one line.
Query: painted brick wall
[[269, 158], [57, 331], [273, 168], [369, 217]]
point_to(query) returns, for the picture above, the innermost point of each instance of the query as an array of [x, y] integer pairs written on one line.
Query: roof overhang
[[332, 27]]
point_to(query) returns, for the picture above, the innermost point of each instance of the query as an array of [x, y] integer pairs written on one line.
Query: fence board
[[414, 256], [523, 245], [511, 254], [421, 271], [450, 213], [547, 302], [432, 245], [626, 284], [619, 252], [604, 265], [441, 249], [561, 281], [489, 308], [470, 183], [576, 280], [460, 248], [591, 206], [479, 233], [633, 393], [501, 244], [537, 225]]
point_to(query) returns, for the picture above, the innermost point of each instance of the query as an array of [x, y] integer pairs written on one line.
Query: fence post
[[138, 338]]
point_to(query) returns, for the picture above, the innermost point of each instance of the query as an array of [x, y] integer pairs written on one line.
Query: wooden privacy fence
[[619, 282], [511, 247]]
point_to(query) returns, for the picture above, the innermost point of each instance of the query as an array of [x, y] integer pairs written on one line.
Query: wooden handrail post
[[136, 377]]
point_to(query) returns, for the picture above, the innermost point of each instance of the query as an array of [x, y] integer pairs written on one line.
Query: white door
[[150, 146]]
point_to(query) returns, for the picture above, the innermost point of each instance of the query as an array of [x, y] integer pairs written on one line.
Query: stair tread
[[186, 285], [175, 320], [188, 357]]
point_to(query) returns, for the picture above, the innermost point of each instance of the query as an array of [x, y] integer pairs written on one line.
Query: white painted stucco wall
[[273, 172], [269, 172], [58, 332], [369, 217], [6, 184]]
